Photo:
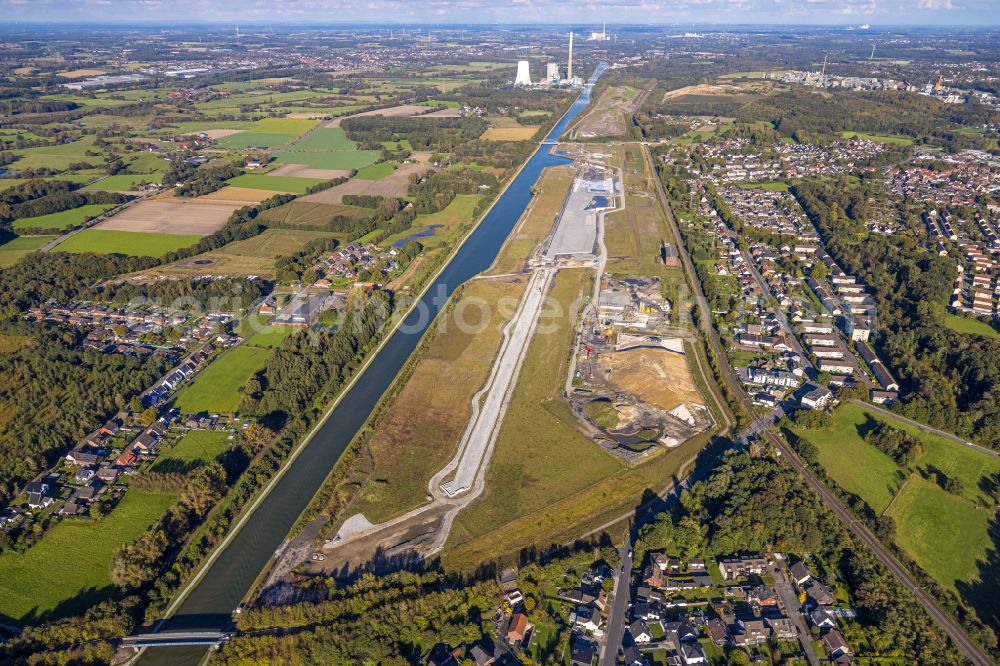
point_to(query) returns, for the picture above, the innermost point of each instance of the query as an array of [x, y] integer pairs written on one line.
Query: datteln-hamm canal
[[210, 604]]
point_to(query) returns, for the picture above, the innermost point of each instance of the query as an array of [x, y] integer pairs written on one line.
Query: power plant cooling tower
[[523, 77]]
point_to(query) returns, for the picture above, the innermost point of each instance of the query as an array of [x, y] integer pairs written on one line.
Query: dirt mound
[[657, 377]]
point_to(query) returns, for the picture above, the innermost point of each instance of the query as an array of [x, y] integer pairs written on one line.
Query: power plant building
[[552, 73], [523, 77]]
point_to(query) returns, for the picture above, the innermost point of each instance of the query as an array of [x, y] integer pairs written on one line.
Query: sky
[[330, 12]]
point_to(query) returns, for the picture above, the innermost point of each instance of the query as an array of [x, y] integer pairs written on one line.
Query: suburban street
[[619, 605], [790, 600], [969, 648]]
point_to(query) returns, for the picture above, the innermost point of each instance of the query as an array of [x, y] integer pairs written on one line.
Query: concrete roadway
[[970, 649], [485, 422]]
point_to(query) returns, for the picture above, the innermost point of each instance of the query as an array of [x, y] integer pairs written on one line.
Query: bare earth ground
[[173, 215], [702, 89], [306, 171], [607, 116], [335, 195], [241, 195], [396, 184], [392, 111], [656, 376]]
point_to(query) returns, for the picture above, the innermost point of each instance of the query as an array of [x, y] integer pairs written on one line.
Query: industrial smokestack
[[569, 66]]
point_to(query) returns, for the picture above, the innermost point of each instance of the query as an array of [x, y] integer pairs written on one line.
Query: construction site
[[632, 385]]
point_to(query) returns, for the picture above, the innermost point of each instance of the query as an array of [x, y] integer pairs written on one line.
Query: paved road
[[790, 600], [969, 648], [779, 313], [619, 605]]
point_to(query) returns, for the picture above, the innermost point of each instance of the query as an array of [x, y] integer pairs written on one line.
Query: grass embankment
[[68, 570], [551, 187], [946, 534], [547, 482], [421, 429], [217, 389]]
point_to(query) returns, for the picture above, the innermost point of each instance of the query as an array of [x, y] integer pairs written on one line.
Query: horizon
[[979, 14]]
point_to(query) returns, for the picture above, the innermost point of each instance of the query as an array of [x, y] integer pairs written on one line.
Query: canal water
[[210, 605]]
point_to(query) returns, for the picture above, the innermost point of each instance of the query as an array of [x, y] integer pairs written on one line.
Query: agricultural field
[[312, 214], [12, 251], [194, 448], [268, 133], [275, 183], [328, 148], [947, 534], [217, 388], [376, 171], [173, 215], [64, 585], [133, 243], [58, 157], [253, 256], [66, 219], [510, 133]]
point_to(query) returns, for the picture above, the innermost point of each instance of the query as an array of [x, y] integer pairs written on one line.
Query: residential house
[[517, 628], [752, 632], [740, 567], [640, 632], [718, 631], [782, 628], [835, 644], [582, 652], [800, 573], [823, 618], [816, 396]]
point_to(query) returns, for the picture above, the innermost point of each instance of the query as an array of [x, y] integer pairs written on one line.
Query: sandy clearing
[[241, 195], [421, 156], [445, 113], [658, 377], [509, 133], [392, 111], [220, 133], [172, 216], [306, 171]]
